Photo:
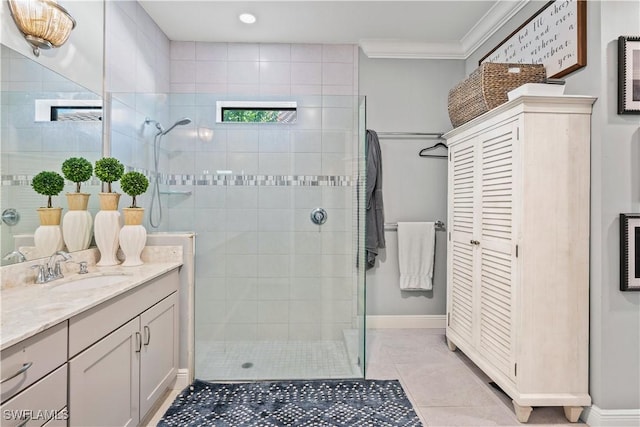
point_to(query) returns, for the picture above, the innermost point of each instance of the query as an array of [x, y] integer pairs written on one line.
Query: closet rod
[[426, 134]]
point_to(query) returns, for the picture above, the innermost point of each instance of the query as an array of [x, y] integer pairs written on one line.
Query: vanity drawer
[[35, 357], [45, 400], [92, 325]]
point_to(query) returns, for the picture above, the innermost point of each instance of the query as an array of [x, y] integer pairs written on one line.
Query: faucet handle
[[83, 267], [57, 271], [40, 277]]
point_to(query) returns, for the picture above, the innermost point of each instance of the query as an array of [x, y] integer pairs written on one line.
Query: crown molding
[[499, 14], [402, 49], [495, 18]]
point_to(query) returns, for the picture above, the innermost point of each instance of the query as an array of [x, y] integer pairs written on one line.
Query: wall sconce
[[44, 23]]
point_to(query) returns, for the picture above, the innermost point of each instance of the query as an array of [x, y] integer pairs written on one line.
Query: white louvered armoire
[[518, 249]]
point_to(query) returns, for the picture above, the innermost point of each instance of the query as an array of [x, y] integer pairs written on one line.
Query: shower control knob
[[318, 216], [10, 216]]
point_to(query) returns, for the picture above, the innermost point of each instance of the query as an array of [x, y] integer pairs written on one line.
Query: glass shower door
[[360, 276], [279, 296]]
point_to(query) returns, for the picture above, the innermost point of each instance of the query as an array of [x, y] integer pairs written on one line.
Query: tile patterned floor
[[445, 387], [273, 360]]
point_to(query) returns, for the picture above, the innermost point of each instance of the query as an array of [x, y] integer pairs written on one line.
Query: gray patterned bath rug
[[317, 403]]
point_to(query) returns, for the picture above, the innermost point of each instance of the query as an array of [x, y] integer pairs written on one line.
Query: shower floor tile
[[273, 360]]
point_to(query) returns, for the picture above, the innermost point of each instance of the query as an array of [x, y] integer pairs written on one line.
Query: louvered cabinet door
[[498, 149], [462, 202]]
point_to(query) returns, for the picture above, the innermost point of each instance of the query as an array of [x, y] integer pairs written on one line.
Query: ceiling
[[441, 29]]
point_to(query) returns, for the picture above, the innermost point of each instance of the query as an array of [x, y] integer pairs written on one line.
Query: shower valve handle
[[318, 216]]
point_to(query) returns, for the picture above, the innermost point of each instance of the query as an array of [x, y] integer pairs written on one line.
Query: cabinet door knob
[[475, 242]]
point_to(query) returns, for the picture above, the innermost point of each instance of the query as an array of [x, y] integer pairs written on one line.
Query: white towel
[[416, 251]]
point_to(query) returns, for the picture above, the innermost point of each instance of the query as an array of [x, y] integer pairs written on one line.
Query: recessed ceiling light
[[247, 18]]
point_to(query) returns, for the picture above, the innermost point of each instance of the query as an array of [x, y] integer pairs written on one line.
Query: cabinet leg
[[522, 412], [572, 413], [451, 345]]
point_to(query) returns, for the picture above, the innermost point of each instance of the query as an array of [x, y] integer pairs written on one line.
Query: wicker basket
[[487, 87]]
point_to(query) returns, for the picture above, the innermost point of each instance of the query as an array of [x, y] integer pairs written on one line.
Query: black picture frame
[[630, 252], [629, 75]]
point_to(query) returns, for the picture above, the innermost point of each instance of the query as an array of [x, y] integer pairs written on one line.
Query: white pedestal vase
[[77, 224], [132, 240], [106, 229], [133, 236], [48, 236], [48, 239]]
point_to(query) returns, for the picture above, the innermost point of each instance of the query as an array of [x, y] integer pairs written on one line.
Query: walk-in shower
[[277, 209], [155, 191]]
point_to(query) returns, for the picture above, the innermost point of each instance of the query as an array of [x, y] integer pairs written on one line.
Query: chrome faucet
[[55, 272], [19, 256], [51, 270]]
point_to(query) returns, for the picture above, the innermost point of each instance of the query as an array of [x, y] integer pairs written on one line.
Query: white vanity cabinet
[[124, 355], [34, 380], [518, 249]]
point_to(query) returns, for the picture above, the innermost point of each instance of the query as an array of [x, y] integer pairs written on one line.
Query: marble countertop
[[32, 308]]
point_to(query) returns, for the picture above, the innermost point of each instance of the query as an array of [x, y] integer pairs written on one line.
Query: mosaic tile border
[[220, 180], [26, 180], [259, 180]]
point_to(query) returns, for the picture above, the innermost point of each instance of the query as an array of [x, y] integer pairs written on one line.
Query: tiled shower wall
[[136, 86], [263, 270]]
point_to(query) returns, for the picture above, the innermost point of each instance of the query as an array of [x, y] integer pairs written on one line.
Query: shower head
[[183, 121], [161, 131], [149, 121]]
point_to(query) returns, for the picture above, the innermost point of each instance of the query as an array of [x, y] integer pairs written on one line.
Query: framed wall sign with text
[[555, 36]]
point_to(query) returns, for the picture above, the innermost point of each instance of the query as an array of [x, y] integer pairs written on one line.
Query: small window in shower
[[256, 112], [76, 114], [75, 110]]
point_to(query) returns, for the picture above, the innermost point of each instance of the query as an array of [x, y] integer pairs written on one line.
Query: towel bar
[[393, 226]]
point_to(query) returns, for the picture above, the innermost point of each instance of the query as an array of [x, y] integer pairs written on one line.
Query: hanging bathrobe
[[374, 232]]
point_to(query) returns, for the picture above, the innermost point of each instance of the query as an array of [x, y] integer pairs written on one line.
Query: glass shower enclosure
[[278, 209]]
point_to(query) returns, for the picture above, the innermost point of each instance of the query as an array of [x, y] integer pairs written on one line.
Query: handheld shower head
[[183, 121]]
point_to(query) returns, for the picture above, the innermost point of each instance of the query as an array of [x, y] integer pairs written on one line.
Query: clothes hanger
[[439, 144]]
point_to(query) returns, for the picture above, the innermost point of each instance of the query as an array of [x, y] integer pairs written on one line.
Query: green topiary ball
[[48, 183], [109, 169], [78, 170], [134, 184]]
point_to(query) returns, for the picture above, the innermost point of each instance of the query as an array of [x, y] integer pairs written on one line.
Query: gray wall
[[409, 96], [615, 188]]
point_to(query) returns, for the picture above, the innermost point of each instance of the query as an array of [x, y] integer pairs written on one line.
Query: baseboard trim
[[408, 321], [182, 379], [596, 417]]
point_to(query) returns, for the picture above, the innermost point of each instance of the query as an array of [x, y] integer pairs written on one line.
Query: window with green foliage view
[[278, 112], [259, 115]]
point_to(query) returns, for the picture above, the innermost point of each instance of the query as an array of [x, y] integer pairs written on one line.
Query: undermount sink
[[92, 282]]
